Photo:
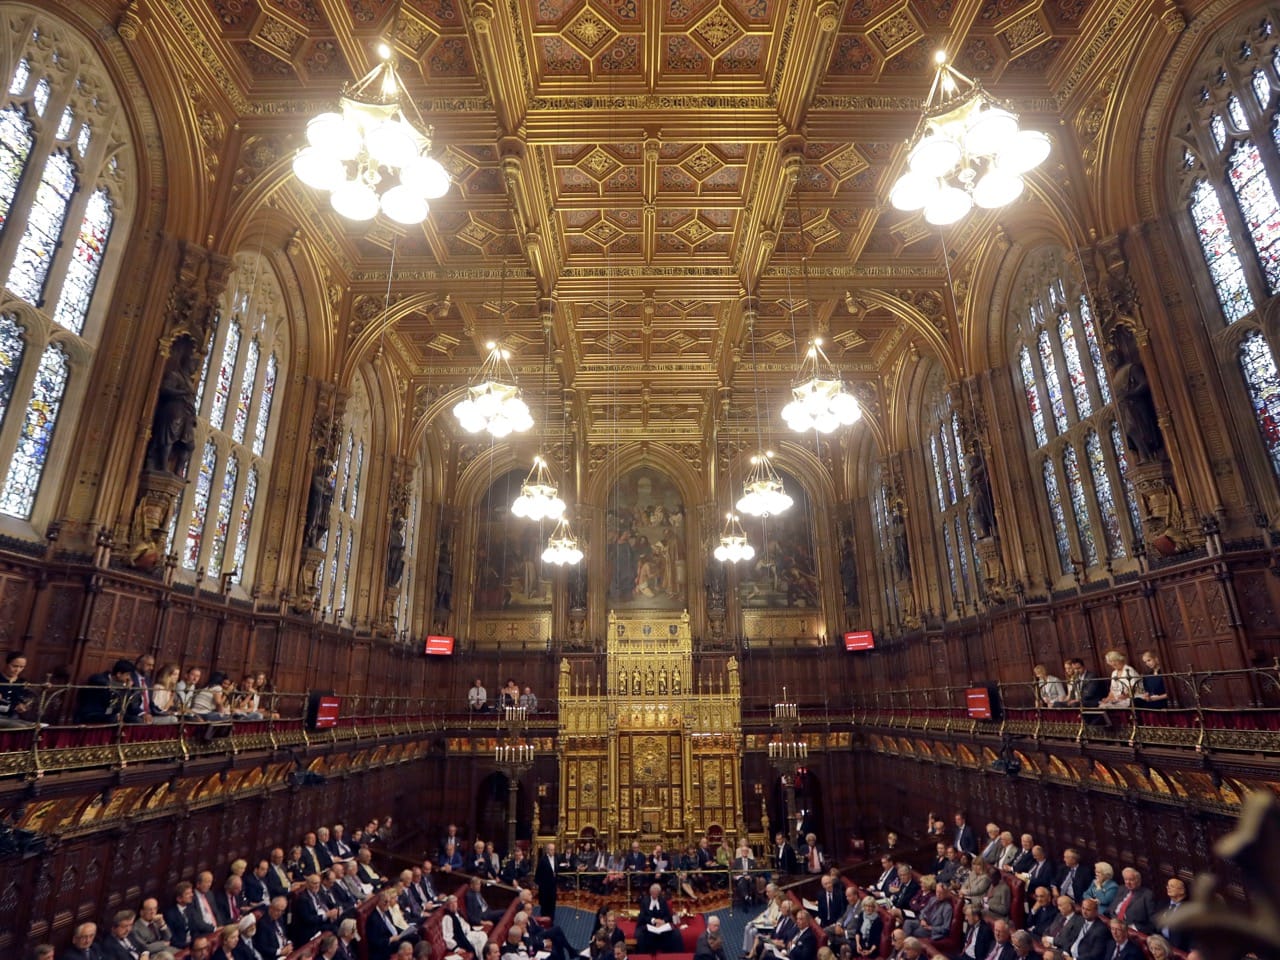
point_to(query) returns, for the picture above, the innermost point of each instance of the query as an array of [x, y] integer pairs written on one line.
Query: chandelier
[[493, 400], [819, 398], [762, 492], [369, 156], [539, 499], [562, 546], [733, 542], [968, 149]]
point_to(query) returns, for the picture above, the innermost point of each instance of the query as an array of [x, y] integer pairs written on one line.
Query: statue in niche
[[395, 553], [901, 549], [849, 571], [662, 682], [444, 576], [984, 505], [622, 682], [715, 584], [173, 427], [319, 500], [578, 587], [1135, 405], [675, 682], [636, 687]]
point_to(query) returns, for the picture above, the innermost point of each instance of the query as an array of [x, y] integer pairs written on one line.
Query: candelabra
[[787, 750], [513, 758]]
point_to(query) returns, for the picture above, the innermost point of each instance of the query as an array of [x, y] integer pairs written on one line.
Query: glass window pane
[[1218, 129], [1258, 207], [1095, 353], [65, 123], [13, 347], [32, 452], [1106, 499], [86, 262], [1263, 381], [44, 229], [346, 575], [1130, 496], [1261, 88], [82, 140], [1220, 252], [960, 457], [16, 139], [333, 569], [962, 548], [1079, 507], [208, 360], [949, 463], [21, 74], [937, 471], [1058, 516], [1031, 390], [346, 471], [264, 407], [200, 506], [246, 521], [1236, 110], [40, 96], [222, 519], [226, 370], [1057, 402], [247, 383], [1075, 370]]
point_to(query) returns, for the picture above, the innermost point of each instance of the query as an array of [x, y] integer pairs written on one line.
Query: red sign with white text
[[439, 646], [859, 640], [327, 709], [978, 703]]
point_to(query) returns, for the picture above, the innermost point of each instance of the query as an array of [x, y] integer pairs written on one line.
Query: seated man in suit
[[150, 932], [1023, 945], [710, 945], [1001, 947], [1136, 905], [777, 943], [977, 936], [384, 933], [312, 913], [1074, 877], [888, 874], [804, 945], [255, 885], [934, 920], [109, 696], [1041, 914], [270, 938], [1089, 937], [655, 911], [908, 889], [340, 895], [116, 945], [1124, 949], [479, 912], [228, 905], [178, 916]]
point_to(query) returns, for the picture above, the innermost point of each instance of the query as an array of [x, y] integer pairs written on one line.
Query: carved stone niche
[[995, 586], [309, 579], [157, 499], [1162, 519]]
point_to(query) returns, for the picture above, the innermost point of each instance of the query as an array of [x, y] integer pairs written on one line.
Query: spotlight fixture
[[733, 542], [493, 400], [819, 398], [762, 493], [968, 149], [369, 156], [539, 499], [562, 546]]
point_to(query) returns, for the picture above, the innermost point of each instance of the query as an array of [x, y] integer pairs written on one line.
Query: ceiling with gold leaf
[[639, 176]]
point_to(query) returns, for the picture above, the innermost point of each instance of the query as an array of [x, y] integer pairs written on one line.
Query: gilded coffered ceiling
[[641, 175]]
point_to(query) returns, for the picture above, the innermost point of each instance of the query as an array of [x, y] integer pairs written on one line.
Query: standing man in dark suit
[[784, 855], [545, 877], [830, 906], [965, 841], [1137, 907]]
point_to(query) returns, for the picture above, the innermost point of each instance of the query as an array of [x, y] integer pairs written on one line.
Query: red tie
[[1124, 905]]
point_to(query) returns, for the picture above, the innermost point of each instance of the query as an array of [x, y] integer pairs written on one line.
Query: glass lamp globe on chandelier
[[819, 400], [562, 546], [493, 400], [369, 156], [762, 493], [539, 499], [967, 150], [733, 545]]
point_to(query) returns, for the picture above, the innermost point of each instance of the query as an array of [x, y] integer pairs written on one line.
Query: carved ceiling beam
[[633, 123], [494, 36], [813, 38]]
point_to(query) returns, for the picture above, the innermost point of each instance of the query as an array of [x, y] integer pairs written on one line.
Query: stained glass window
[[937, 472], [247, 383], [226, 370], [960, 457], [1219, 131], [261, 425], [32, 452], [1126, 485], [1095, 353], [16, 139], [1059, 517], [64, 124], [13, 347], [40, 96], [1220, 252], [86, 262], [346, 574], [1079, 506], [951, 562], [355, 483], [1032, 392], [21, 74], [1261, 88], [1260, 375], [333, 569], [950, 463], [1057, 402], [200, 506], [346, 470], [208, 359], [246, 521], [962, 549], [1259, 207], [1236, 110], [1075, 372], [222, 519], [44, 228], [82, 140], [1102, 493]]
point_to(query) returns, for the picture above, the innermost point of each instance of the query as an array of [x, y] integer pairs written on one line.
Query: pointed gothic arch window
[[342, 541], [234, 402], [953, 518], [66, 185], [1058, 356]]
